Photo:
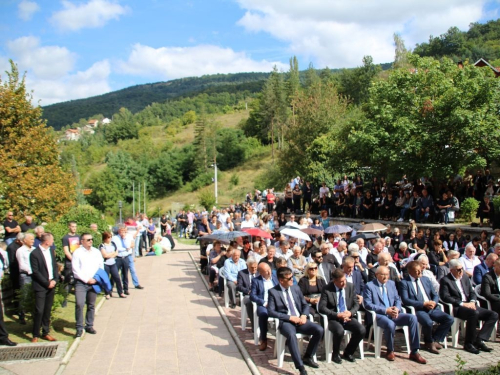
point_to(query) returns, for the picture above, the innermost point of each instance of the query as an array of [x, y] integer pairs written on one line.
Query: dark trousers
[[43, 307], [4, 335], [85, 295], [296, 204], [115, 277], [389, 327], [263, 317], [337, 329], [289, 330], [427, 319], [122, 266], [23, 280], [308, 200], [472, 317]]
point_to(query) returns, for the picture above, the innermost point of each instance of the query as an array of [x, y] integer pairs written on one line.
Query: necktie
[[419, 294], [384, 296], [341, 301], [291, 306]]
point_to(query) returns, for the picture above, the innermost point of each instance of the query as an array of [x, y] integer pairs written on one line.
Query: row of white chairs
[[375, 331]]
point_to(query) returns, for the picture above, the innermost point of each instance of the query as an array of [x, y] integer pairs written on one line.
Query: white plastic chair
[[379, 332], [279, 347], [457, 324], [256, 328], [413, 312], [477, 289], [329, 338], [226, 292], [244, 315]]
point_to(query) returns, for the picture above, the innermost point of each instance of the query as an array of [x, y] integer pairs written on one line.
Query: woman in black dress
[[311, 284]]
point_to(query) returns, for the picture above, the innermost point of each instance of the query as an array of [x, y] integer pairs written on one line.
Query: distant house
[[482, 62], [106, 121], [93, 123], [72, 134], [88, 129]]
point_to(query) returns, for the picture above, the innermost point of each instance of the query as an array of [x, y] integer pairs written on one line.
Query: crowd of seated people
[[436, 274]]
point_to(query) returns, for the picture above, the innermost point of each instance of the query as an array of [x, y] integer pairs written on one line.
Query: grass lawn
[[62, 328], [186, 241]]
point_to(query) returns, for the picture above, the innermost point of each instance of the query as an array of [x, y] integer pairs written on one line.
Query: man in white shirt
[[85, 263], [124, 245], [363, 251], [469, 260], [23, 259], [248, 222]]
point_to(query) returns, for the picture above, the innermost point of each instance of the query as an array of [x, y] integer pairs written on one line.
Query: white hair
[[454, 263], [353, 247], [403, 245]]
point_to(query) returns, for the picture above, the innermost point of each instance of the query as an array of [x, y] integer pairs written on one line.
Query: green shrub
[[468, 208], [492, 370], [496, 204], [26, 298], [206, 199], [234, 180], [200, 181]]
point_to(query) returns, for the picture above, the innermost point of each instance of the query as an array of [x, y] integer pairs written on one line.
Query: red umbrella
[[257, 232]]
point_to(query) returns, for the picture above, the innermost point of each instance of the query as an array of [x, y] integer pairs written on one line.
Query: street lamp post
[[120, 205], [215, 169]]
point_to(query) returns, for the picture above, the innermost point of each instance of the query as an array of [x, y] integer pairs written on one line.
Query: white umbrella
[[296, 233]]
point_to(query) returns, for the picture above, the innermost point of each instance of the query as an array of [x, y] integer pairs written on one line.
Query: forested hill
[[136, 98]]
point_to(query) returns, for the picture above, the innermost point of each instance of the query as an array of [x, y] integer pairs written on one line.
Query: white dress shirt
[[283, 290], [48, 261], [23, 258], [85, 263], [460, 288], [469, 264], [268, 284], [119, 242], [421, 287]]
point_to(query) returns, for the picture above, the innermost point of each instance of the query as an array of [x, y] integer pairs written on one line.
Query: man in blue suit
[[417, 291], [381, 296], [244, 285], [287, 303], [482, 269], [259, 294]]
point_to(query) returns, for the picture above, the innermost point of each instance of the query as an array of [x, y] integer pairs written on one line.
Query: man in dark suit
[[44, 278], [339, 303], [381, 296], [327, 257], [482, 269], [417, 291], [287, 303], [490, 287], [456, 288], [244, 285], [259, 294], [324, 268], [353, 276]]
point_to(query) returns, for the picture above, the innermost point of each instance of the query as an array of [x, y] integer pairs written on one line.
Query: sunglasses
[[459, 269], [320, 257], [288, 278], [88, 239]]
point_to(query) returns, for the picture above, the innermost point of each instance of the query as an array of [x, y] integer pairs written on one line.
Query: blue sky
[[76, 49]]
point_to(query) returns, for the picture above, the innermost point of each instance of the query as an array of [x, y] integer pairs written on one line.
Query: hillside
[[138, 97]]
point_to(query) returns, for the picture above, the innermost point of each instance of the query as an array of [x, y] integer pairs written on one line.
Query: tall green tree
[[123, 126], [355, 83], [31, 178], [434, 119]]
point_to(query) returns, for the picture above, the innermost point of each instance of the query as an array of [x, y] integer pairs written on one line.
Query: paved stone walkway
[[170, 327]]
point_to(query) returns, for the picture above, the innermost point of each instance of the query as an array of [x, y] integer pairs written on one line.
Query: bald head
[[264, 270]]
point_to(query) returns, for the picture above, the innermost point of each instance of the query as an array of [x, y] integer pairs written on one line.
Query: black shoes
[[139, 287], [232, 306], [302, 371], [126, 292], [349, 357], [480, 345], [91, 330], [7, 342], [79, 333], [471, 349], [22, 321], [308, 361], [336, 358]]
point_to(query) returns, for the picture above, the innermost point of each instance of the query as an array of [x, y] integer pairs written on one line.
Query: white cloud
[[339, 33], [177, 62], [95, 13], [51, 71], [26, 9]]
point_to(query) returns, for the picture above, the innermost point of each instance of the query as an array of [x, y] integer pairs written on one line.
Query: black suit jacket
[[243, 282], [449, 292], [489, 288], [327, 270], [328, 301], [358, 282], [40, 275]]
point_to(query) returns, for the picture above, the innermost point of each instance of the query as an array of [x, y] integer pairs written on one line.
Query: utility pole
[[144, 183], [133, 199], [139, 206]]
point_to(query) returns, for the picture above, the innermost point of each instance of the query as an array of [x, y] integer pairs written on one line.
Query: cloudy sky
[[75, 49]]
